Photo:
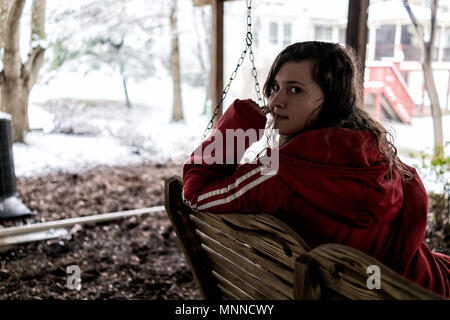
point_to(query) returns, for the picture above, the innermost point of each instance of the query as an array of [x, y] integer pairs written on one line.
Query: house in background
[[392, 43]]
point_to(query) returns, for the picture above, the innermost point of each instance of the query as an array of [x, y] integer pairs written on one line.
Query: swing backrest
[[257, 256]]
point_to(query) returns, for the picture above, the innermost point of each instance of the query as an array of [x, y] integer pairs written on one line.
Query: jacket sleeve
[[213, 179]]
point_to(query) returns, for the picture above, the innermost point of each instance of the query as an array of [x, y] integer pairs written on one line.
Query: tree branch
[[416, 23], [31, 68], [434, 5], [11, 57], [38, 20], [3, 12]]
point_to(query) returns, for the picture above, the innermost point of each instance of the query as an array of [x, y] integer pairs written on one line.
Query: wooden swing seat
[[257, 256]]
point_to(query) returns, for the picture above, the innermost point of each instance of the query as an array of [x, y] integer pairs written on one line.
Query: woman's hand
[[263, 111]]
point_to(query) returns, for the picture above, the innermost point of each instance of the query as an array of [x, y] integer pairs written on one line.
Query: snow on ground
[[106, 131], [412, 140]]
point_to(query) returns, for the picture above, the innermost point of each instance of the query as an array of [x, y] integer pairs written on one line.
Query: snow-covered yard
[[102, 130]]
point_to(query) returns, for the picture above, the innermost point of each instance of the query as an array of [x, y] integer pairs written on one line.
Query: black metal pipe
[[7, 176], [10, 206]]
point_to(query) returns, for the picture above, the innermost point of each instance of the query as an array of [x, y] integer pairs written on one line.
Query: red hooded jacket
[[330, 187]]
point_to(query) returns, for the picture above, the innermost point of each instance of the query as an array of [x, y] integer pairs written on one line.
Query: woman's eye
[[274, 88], [294, 89]]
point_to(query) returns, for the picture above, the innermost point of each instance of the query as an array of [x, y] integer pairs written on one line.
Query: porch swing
[[257, 256]]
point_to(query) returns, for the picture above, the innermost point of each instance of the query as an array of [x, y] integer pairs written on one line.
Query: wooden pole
[[20, 230], [356, 36], [216, 56]]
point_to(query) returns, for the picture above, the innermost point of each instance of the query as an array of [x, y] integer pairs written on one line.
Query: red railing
[[384, 79]]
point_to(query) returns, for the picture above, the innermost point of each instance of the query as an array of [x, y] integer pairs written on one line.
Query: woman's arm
[[214, 181]]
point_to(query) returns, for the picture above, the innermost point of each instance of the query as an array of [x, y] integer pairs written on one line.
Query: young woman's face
[[295, 97]]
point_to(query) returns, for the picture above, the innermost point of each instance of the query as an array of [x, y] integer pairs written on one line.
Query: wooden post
[[356, 36], [216, 56]]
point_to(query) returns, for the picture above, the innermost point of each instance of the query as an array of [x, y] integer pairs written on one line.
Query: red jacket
[[330, 187]]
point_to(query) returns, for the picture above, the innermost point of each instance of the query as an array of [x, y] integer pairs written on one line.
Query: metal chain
[[248, 47]]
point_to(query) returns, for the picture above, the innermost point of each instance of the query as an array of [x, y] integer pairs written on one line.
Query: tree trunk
[[435, 110], [204, 66], [175, 64], [15, 99], [127, 98], [3, 12], [37, 33], [426, 47], [17, 78]]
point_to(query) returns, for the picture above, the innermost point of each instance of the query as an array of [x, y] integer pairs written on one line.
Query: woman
[[338, 178]]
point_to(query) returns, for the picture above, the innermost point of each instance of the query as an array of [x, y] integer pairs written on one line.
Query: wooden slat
[[243, 279], [266, 222], [284, 230], [348, 261], [229, 274], [260, 243], [231, 288], [249, 253], [226, 293], [270, 280], [307, 279]]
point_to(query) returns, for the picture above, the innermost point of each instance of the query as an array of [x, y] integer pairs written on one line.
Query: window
[[410, 43], [274, 32], [322, 33], [446, 52], [384, 43], [287, 34]]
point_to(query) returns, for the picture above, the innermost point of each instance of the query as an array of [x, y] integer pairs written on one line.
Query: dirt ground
[[132, 258]]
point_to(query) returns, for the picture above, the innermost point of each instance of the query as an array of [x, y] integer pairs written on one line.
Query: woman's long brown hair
[[337, 71]]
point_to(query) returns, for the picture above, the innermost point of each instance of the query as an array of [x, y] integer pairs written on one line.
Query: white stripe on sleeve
[[236, 194], [231, 186]]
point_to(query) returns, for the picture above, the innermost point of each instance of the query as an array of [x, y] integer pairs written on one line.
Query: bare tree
[[204, 45], [426, 47], [175, 64], [17, 78], [3, 10]]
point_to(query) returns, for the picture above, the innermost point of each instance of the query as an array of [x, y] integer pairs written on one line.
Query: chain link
[[249, 48]]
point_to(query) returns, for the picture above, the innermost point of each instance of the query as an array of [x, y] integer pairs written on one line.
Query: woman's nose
[[277, 101]]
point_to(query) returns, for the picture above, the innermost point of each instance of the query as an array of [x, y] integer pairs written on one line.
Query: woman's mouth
[[278, 117]]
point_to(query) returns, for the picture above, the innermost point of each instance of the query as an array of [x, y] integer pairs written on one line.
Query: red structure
[[385, 86]]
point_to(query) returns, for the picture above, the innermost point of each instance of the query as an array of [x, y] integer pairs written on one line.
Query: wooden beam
[[43, 226], [216, 55], [200, 3], [356, 36]]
